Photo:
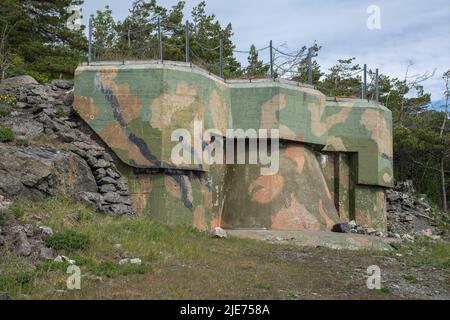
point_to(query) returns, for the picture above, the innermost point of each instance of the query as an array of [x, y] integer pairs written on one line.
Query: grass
[[427, 252], [410, 278], [6, 134], [22, 142], [60, 113], [180, 262], [17, 210], [69, 241]]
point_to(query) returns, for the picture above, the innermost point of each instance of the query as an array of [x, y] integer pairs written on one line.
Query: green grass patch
[[6, 134], [22, 142], [69, 241], [383, 290], [17, 210], [60, 113], [409, 278], [427, 252]]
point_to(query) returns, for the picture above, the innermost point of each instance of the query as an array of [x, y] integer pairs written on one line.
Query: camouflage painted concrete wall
[[135, 109]]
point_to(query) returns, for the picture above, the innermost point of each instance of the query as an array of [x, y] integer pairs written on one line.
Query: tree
[[256, 67], [303, 66], [343, 79], [104, 34], [37, 37], [445, 136]]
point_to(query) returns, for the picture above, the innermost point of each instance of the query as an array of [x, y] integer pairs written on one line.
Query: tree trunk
[[443, 189]]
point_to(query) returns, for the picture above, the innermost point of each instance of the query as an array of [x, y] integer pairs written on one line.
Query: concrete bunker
[[335, 154]]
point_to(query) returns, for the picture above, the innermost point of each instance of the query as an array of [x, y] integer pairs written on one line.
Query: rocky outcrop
[[24, 239], [44, 112], [409, 214], [39, 170]]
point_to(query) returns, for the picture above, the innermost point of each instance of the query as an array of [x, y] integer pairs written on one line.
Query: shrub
[[40, 77], [6, 134], [8, 100], [60, 113], [69, 241], [3, 112], [22, 142], [17, 210]]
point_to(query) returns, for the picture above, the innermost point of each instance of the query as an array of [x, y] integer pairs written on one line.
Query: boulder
[[32, 170], [63, 84], [219, 233], [341, 227], [18, 81]]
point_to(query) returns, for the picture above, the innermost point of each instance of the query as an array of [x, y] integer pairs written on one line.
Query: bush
[[69, 241], [17, 210], [40, 77], [3, 112], [60, 113], [6, 134], [22, 142], [8, 100]]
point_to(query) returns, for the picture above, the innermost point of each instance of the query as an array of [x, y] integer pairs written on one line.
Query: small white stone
[[124, 261], [219, 233], [136, 261]]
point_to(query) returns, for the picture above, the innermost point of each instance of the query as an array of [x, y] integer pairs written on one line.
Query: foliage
[[60, 113], [256, 68], [6, 134], [34, 39], [69, 241], [136, 37]]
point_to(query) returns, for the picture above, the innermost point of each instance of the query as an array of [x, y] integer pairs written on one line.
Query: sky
[[411, 31]]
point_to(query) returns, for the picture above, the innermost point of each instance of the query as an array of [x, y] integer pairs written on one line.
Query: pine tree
[[256, 67], [37, 39]]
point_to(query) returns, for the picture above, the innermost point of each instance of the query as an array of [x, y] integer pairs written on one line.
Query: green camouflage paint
[[135, 108]]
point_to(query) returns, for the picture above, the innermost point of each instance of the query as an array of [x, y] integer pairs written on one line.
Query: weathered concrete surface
[[331, 240], [136, 108]]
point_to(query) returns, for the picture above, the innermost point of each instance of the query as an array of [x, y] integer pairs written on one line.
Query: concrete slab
[[348, 241]]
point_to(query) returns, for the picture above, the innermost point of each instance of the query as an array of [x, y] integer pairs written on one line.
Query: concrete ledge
[[330, 240]]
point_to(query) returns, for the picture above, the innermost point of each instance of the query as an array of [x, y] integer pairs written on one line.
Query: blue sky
[[411, 30]]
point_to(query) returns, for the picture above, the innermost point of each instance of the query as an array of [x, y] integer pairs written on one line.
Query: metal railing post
[[377, 90], [90, 42], [160, 41], [221, 58], [187, 41], [310, 66], [271, 60], [365, 82]]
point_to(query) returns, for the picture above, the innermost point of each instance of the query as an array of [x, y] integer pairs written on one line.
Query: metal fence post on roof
[[271, 60], [377, 90], [187, 42], [160, 41], [221, 58], [365, 82], [90, 42], [310, 66]]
